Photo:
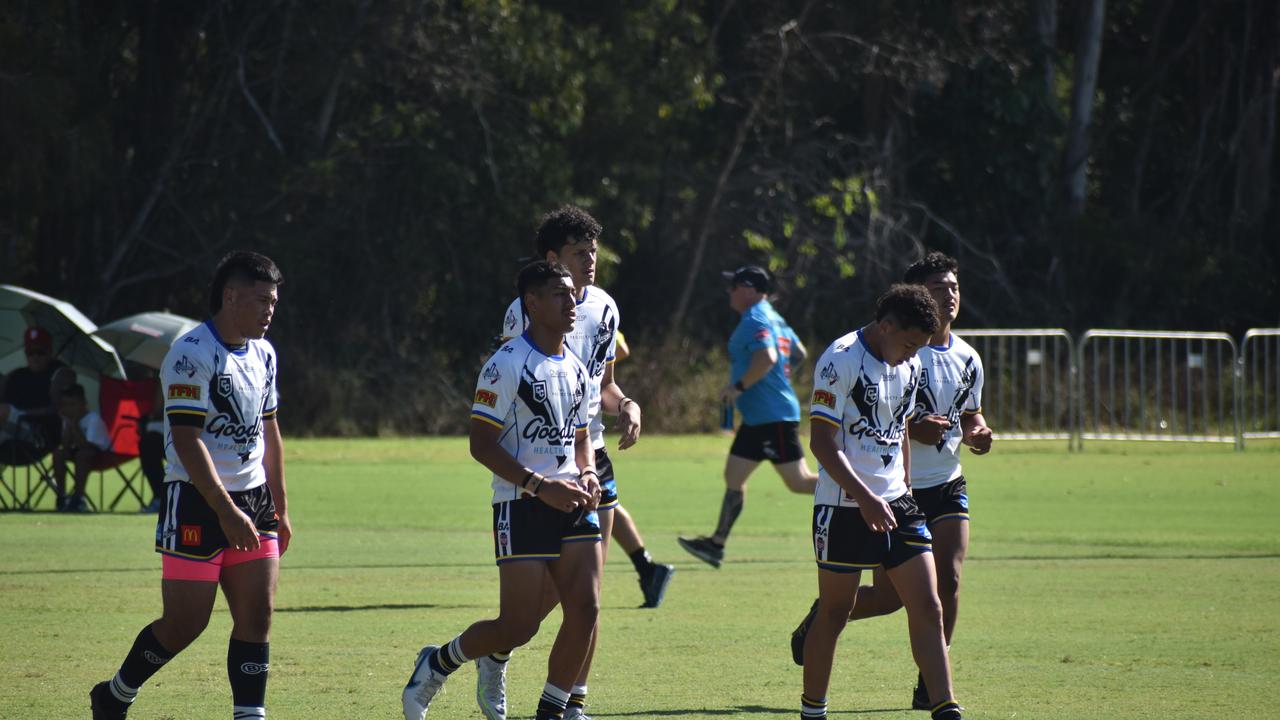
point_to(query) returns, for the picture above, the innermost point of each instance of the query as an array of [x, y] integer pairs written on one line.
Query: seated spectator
[[84, 439], [29, 424]]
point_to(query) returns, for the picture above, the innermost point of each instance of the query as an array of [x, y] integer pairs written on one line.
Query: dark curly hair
[[931, 264], [565, 226], [240, 268], [911, 306]]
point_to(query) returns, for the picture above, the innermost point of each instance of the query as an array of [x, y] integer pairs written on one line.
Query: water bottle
[[726, 415]]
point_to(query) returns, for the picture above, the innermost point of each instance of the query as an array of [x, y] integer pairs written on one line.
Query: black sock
[[643, 562], [247, 665], [145, 659], [949, 710], [730, 509]]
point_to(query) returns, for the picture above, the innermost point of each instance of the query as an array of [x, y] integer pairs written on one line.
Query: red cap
[[37, 337]]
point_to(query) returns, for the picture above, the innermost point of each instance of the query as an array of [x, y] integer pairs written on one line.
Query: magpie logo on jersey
[[600, 344], [185, 366], [829, 374], [491, 374]]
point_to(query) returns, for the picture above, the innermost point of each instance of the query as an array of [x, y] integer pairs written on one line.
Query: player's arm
[[798, 351], [976, 434], [586, 459], [487, 451], [273, 463], [906, 454], [825, 446], [615, 402], [195, 459]]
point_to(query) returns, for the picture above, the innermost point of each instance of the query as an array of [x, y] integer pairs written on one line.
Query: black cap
[[750, 275]]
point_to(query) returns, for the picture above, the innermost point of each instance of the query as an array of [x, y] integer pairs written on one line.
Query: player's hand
[[591, 484], [562, 495], [284, 533], [930, 429], [729, 393], [877, 514], [238, 529], [628, 424], [979, 440]]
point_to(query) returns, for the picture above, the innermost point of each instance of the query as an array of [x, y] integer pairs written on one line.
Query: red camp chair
[[124, 405]]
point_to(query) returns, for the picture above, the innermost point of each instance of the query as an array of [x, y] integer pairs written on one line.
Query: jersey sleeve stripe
[[486, 418], [814, 415], [971, 412], [180, 410], [268, 414]]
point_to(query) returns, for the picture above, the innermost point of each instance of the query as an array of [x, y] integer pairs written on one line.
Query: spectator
[[29, 424], [151, 451], [84, 439]]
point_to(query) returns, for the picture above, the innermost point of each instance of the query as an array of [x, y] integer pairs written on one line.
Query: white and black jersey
[[539, 402], [870, 401], [225, 391], [593, 340], [950, 385]]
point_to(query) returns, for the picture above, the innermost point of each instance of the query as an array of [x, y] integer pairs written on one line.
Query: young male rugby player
[[948, 414], [529, 427], [224, 520], [864, 516], [570, 236]]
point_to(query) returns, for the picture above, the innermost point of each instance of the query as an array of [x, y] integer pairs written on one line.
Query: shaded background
[[1091, 164]]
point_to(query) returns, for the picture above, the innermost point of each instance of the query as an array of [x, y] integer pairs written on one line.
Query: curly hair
[[911, 306], [240, 268], [931, 264], [565, 226]]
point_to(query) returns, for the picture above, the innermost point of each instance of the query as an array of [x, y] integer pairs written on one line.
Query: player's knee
[[886, 603], [515, 632], [178, 630]]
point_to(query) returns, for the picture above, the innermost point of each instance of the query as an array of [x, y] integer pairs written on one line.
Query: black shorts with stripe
[[608, 483], [189, 528], [843, 543], [948, 501], [778, 442], [529, 529]]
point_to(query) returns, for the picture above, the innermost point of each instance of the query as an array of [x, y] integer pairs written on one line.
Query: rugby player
[[224, 520], [529, 424], [864, 516], [948, 414]]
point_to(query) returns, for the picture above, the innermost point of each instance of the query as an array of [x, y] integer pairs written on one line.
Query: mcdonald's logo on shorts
[[190, 534]]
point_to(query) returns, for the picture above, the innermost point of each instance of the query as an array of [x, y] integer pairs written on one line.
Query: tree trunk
[[1088, 54]]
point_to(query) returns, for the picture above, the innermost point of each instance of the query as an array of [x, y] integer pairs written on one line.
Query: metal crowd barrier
[[1152, 385], [1030, 376], [1259, 378]]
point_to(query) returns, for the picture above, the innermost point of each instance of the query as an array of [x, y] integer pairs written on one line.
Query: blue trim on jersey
[[832, 418], [498, 421], [867, 346], [534, 345], [241, 351], [951, 340], [585, 290], [187, 408]]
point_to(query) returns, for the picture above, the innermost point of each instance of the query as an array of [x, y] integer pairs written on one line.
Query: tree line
[[1090, 163]]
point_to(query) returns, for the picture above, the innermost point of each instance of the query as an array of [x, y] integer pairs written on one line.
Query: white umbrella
[[145, 338], [73, 339]]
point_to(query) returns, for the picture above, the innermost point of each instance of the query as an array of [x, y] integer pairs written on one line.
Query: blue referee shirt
[[771, 399]]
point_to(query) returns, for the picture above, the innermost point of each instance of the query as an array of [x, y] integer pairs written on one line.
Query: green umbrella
[[145, 338], [73, 339]]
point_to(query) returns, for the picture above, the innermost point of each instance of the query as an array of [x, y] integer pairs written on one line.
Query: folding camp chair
[[124, 405], [25, 470]]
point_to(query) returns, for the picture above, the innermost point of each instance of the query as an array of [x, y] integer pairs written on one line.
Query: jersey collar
[[242, 350], [537, 349], [951, 340]]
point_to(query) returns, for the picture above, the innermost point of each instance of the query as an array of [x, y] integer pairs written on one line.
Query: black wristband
[[624, 399], [535, 488], [738, 386], [527, 478]]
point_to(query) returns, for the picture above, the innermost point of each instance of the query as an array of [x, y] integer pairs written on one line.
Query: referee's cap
[[752, 276]]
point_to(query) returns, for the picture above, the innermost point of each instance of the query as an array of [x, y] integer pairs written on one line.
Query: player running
[[761, 350], [224, 519], [948, 414], [864, 516], [529, 426]]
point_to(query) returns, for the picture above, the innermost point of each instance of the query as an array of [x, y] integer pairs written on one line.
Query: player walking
[[224, 520]]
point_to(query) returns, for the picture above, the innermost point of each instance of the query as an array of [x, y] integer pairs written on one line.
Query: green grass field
[[1125, 582]]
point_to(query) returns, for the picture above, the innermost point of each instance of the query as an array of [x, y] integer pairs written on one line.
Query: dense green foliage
[[394, 158], [1114, 583]]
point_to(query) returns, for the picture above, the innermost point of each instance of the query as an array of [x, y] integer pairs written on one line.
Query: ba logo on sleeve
[[822, 397], [486, 397], [184, 392]]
